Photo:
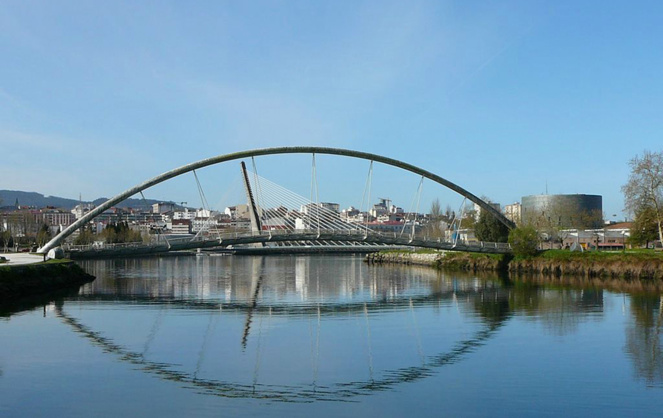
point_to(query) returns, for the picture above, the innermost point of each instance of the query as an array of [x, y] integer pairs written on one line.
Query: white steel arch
[[268, 151]]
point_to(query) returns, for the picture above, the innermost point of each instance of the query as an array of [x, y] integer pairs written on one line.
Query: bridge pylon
[[256, 224]]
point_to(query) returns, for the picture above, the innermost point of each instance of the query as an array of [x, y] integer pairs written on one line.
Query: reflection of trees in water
[[643, 337], [560, 310]]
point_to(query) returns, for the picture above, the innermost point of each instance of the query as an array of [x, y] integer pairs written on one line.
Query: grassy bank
[[448, 260], [32, 279], [629, 265], [556, 263], [472, 262]]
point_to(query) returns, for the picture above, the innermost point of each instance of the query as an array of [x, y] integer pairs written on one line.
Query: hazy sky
[[505, 98]]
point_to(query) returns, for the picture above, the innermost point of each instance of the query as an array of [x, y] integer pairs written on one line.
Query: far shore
[[629, 265]]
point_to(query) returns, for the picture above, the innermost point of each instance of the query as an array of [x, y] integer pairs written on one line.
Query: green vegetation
[[6, 240], [120, 232], [601, 256], [637, 264], [85, 237], [489, 229], [524, 241], [113, 233], [44, 235], [647, 265], [473, 262], [645, 228]]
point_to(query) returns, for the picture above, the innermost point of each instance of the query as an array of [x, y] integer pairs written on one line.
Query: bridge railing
[[107, 246]]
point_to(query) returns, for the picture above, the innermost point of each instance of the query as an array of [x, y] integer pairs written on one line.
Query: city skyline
[[506, 100]]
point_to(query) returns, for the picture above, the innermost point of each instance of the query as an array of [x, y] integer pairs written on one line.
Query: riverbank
[[554, 263], [449, 260], [418, 258], [19, 281], [646, 265]]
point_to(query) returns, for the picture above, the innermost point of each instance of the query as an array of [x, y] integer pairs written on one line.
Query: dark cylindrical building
[[563, 210]]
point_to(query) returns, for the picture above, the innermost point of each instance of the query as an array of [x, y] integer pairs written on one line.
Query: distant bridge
[[349, 240], [326, 225]]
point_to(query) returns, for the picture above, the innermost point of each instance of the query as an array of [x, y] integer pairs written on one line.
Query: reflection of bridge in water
[[281, 218], [259, 302], [340, 391]]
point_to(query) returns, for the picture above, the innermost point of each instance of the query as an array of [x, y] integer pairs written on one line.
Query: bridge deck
[[360, 240]]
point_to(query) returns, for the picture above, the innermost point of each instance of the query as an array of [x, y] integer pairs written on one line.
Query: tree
[[524, 241], [435, 209], [645, 187], [554, 219], [644, 229], [85, 237], [120, 232], [6, 240], [434, 228], [44, 235], [488, 228]]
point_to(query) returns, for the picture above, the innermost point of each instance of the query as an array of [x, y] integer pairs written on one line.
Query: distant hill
[[9, 198]]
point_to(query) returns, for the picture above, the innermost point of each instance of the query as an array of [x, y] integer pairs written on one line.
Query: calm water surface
[[330, 336]]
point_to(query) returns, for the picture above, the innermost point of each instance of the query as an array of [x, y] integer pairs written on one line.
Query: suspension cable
[[461, 211], [258, 193], [314, 182], [206, 207], [158, 229], [367, 188], [414, 223], [274, 194]]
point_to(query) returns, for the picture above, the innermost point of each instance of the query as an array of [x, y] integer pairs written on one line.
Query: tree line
[[113, 233]]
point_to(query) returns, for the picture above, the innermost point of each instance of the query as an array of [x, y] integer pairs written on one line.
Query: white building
[[238, 212], [513, 211], [477, 209], [163, 207], [181, 227], [80, 210], [185, 214]]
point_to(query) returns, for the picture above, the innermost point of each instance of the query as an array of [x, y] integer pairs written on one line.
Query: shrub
[[524, 241]]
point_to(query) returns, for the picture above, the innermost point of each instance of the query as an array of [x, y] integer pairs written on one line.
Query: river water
[[327, 336]]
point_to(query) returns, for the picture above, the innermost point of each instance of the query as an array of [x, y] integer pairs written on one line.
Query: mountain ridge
[[8, 198]]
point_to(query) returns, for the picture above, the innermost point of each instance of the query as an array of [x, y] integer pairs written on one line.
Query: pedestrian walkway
[[14, 259]]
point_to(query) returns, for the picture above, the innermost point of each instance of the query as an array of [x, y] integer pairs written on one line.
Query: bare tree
[[645, 186], [434, 229]]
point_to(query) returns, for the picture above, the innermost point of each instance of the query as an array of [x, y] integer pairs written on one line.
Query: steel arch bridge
[[257, 238]]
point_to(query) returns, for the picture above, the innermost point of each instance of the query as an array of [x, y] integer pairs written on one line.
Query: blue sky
[[501, 97]]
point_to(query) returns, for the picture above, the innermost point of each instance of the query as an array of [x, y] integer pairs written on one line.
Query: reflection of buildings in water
[[301, 268], [643, 337], [329, 279], [229, 278]]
